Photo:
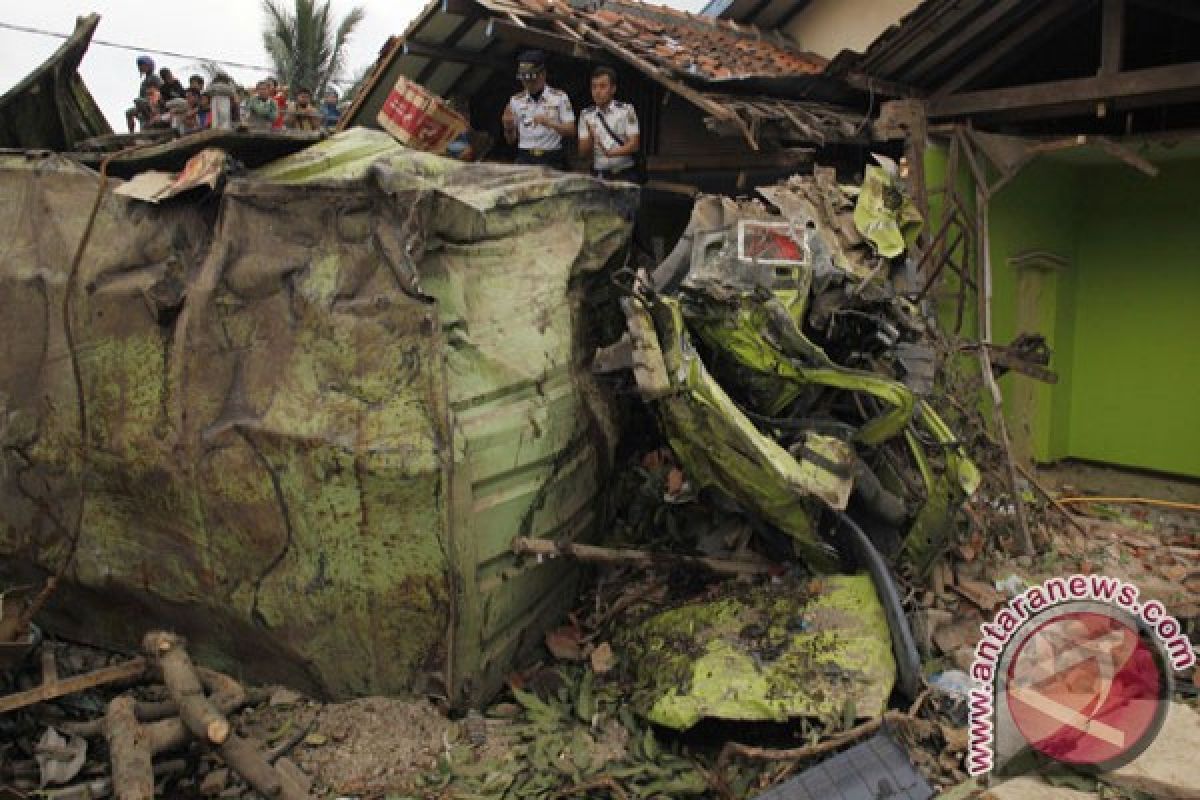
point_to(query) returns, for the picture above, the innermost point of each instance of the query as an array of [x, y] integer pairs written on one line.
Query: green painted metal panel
[[315, 423]]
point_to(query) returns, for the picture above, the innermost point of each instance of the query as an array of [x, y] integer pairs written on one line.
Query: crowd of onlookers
[[164, 103]]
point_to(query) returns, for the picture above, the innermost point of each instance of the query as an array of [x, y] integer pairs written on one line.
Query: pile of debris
[[808, 523]]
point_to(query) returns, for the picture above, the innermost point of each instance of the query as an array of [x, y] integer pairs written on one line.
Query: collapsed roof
[[52, 108], [457, 46]]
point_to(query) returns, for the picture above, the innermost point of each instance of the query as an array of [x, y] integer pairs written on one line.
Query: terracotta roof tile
[[710, 48]]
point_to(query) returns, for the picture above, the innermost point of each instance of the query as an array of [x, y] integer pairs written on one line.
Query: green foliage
[[580, 740], [307, 43]]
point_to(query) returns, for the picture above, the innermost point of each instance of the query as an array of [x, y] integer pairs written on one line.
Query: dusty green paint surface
[[316, 427], [765, 653], [722, 449]]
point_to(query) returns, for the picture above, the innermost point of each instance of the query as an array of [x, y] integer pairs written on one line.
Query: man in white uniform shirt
[[538, 119], [608, 131]]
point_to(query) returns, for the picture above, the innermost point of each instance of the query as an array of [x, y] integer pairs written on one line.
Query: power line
[[136, 49]]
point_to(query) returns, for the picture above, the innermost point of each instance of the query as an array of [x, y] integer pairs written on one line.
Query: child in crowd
[[261, 110]]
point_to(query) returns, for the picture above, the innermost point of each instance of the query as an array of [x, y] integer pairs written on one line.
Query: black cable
[[904, 646], [138, 49]]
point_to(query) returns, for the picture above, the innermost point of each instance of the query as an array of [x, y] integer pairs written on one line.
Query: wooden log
[[129, 752], [78, 683], [102, 787], [172, 734], [199, 713], [244, 758], [226, 694], [606, 555]]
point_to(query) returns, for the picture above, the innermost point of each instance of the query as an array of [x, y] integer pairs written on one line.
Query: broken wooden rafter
[[544, 40], [1054, 501], [1005, 358], [694, 97], [130, 670], [591, 554], [879, 86]]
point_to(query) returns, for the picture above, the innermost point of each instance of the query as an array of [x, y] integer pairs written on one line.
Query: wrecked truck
[[789, 374], [300, 413], [791, 378], [320, 401]]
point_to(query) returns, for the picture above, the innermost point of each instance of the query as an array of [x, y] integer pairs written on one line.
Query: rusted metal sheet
[[51, 108], [316, 416]]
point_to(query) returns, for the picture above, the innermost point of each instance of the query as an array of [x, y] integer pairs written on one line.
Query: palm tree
[[307, 43]]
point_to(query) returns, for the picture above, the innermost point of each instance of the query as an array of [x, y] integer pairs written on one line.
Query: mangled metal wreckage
[[789, 374], [320, 403], [322, 400], [790, 377]]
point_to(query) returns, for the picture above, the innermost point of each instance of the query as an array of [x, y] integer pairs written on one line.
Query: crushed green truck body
[[320, 405], [765, 653], [779, 359]]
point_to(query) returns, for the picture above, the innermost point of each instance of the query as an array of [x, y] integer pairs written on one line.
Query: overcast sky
[[214, 29]]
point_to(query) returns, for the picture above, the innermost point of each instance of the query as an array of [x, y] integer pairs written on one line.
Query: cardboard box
[[418, 118]]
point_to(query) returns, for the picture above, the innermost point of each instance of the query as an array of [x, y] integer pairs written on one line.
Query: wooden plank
[[544, 40], [979, 24], [456, 35], [1112, 37], [1050, 12], [130, 670], [1149, 85], [869, 83]]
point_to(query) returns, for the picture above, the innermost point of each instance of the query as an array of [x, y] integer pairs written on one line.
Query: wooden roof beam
[[460, 30], [1137, 87], [441, 54], [980, 24], [544, 40], [1050, 12], [1112, 37]]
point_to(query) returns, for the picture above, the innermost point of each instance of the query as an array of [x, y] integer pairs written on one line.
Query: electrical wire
[[133, 48], [1147, 501], [149, 50]]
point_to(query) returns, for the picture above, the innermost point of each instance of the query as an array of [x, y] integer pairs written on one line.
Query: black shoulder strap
[[604, 122]]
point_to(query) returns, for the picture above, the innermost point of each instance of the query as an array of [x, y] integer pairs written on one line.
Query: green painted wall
[[1122, 317], [1037, 212], [1136, 396]]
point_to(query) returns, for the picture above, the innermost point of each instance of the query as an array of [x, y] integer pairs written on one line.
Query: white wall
[[826, 27]]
